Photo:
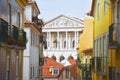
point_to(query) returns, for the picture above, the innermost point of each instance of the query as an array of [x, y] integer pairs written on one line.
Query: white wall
[[31, 57], [28, 12]]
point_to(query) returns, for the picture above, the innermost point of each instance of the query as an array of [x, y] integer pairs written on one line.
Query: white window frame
[[95, 47], [18, 19], [105, 6], [54, 71], [104, 53]]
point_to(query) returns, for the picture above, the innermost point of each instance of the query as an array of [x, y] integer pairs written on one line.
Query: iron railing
[[114, 35]]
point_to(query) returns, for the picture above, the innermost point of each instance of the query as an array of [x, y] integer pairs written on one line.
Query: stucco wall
[[15, 8]]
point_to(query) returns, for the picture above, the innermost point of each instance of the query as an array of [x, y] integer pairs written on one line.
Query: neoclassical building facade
[[62, 35]]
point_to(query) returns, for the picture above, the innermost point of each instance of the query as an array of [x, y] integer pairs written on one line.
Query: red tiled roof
[[73, 68], [88, 50], [50, 63]]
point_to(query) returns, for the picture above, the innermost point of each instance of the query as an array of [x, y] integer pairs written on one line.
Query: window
[[98, 10], [101, 46], [55, 71], [18, 19], [104, 54], [10, 14], [112, 73], [10, 18], [105, 6], [8, 67], [118, 11], [31, 73], [95, 47], [98, 47], [31, 38]]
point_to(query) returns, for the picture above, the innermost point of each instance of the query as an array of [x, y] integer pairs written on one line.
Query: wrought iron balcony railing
[[98, 64], [92, 64], [12, 35], [15, 34], [114, 35], [22, 38], [3, 31]]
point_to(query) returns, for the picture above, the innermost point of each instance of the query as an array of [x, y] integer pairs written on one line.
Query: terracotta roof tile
[[72, 61], [73, 68], [88, 50], [50, 63]]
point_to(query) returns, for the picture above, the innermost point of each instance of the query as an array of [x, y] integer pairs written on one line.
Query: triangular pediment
[[64, 21]]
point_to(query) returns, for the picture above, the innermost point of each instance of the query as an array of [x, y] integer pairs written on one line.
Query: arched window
[[62, 58], [70, 57], [53, 57]]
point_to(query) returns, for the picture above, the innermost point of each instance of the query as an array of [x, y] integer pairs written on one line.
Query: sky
[[52, 8]]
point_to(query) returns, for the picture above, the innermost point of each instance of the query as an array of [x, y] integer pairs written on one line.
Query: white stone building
[[62, 35], [31, 53]]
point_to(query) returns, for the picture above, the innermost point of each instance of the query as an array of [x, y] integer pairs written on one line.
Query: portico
[[62, 35]]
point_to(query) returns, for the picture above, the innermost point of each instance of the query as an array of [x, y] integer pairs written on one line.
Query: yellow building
[[86, 49], [102, 12], [114, 42]]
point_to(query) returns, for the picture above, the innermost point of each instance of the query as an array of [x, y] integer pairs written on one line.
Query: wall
[[15, 8]]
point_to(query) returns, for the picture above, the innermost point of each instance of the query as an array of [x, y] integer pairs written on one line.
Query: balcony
[[35, 19], [3, 31], [114, 35], [11, 36], [22, 39], [98, 64]]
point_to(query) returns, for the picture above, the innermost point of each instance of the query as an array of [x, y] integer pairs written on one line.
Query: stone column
[[61, 43], [68, 40], [58, 43]]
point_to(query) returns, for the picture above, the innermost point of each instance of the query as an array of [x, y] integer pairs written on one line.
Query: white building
[[62, 34], [31, 53]]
